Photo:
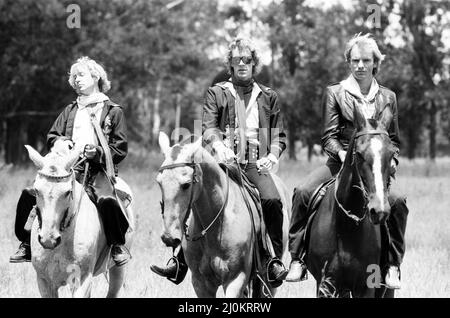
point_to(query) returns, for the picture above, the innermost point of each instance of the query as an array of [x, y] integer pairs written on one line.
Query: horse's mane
[[233, 172]]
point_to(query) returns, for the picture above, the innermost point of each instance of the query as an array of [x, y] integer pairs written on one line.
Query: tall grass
[[424, 271]]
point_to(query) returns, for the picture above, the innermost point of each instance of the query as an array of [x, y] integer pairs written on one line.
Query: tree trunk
[[177, 115], [156, 116], [291, 141], [310, 150], [16, 138], [433, 129]]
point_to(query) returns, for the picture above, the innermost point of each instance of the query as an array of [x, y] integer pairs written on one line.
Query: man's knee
[[398, 203], [272, 204]]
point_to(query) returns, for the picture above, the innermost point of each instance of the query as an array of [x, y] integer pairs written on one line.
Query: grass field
[[425, 270]]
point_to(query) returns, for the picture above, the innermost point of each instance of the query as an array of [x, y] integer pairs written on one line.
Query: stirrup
[[269, 264], [177, 262]]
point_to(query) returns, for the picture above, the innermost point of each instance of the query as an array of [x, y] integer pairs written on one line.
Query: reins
[[191, 196], [351, 147]]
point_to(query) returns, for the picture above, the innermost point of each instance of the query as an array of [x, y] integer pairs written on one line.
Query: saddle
[[313, 206], [262, 243]]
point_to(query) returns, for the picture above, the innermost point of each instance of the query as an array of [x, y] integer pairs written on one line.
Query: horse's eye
[[185, 186]]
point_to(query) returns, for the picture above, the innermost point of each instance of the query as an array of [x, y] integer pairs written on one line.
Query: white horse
[[68, 244]]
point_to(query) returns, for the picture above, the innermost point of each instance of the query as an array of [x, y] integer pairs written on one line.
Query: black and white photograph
[[256, 150]]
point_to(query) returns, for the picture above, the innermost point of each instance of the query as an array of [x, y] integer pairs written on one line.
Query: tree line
[[162, 55]]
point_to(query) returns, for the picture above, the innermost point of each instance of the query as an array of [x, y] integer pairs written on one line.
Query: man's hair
[[241, 44], [365, 40], [96, 70]]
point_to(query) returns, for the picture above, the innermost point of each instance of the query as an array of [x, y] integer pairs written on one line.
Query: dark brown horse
[[345, 240]]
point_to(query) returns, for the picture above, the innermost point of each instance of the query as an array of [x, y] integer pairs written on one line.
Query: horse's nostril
[[58, 240], [39, 238]]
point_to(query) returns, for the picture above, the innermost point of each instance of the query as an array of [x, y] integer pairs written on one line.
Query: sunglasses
[[237, 59]]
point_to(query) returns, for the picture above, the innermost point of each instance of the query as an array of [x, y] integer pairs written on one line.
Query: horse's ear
[[358, 118], [164, 142], [385, 118], [71, 159], [37, 159]]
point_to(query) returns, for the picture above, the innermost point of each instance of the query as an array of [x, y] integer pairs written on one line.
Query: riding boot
[[396, 224], [115, 226], [25, 204], [175, 270], [273, 218]]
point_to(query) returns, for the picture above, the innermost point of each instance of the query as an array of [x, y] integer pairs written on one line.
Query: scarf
[[366, 103], [95, 98]]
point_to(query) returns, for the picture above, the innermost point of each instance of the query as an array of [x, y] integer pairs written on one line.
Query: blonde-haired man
[[359, 89], [73, 129]]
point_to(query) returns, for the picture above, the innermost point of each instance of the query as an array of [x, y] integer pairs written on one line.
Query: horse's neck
[[213, 192], [349, 192]]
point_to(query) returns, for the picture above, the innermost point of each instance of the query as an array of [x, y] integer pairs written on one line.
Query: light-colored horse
[[223, 256], [77, 253]]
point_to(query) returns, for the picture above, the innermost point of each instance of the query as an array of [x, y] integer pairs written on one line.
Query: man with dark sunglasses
[[241, 120]]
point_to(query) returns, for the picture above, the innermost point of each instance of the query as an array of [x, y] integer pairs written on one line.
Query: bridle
[[67, 219], [362, 187], [194, 180]]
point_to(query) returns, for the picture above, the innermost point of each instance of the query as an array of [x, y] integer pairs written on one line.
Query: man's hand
[[342, 154], [223, 154], [90, 151], [265, 164]]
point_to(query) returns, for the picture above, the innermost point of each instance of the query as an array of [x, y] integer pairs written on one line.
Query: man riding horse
[[80, 126], [360, 90], [248, 115]]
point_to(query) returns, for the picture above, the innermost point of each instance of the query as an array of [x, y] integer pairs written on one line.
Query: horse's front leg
[[236, 287], [47, 290], [84, 290], [116, 278], [202, 287]]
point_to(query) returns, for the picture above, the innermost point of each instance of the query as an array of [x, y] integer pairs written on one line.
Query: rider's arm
[[210, 119], [331, 123], [393, 129], [57, 131], [278, 135]]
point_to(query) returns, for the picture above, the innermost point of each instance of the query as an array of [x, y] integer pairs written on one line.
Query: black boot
[[273, 218], [175, 270], [23, 254], [276, 272], [120, 254]]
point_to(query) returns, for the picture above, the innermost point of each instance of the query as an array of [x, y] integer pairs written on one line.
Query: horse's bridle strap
[[371, 132], [177, 165]]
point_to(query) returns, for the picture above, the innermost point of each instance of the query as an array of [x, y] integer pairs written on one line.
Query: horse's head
[[373, 153], [180, 181], [53, 188]]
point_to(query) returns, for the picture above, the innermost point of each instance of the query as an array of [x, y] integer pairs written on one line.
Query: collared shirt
[[366, 103], [83, 131]]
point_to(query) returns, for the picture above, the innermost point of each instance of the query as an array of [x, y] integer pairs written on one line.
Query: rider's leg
[[114, 221], [396, 224], [175, 270], [272, 209], [115, 225], [25, 204], [299, 218]]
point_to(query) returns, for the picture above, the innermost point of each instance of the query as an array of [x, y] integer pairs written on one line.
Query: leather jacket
[[112, 122], [219, 114], [337, 108]]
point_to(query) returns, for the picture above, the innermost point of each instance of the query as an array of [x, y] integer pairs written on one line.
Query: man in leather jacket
[[253, 110], [361, 90]]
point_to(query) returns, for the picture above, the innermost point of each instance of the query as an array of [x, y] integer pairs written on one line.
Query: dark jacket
[[112, 122], [337, 108], [219, 113]]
